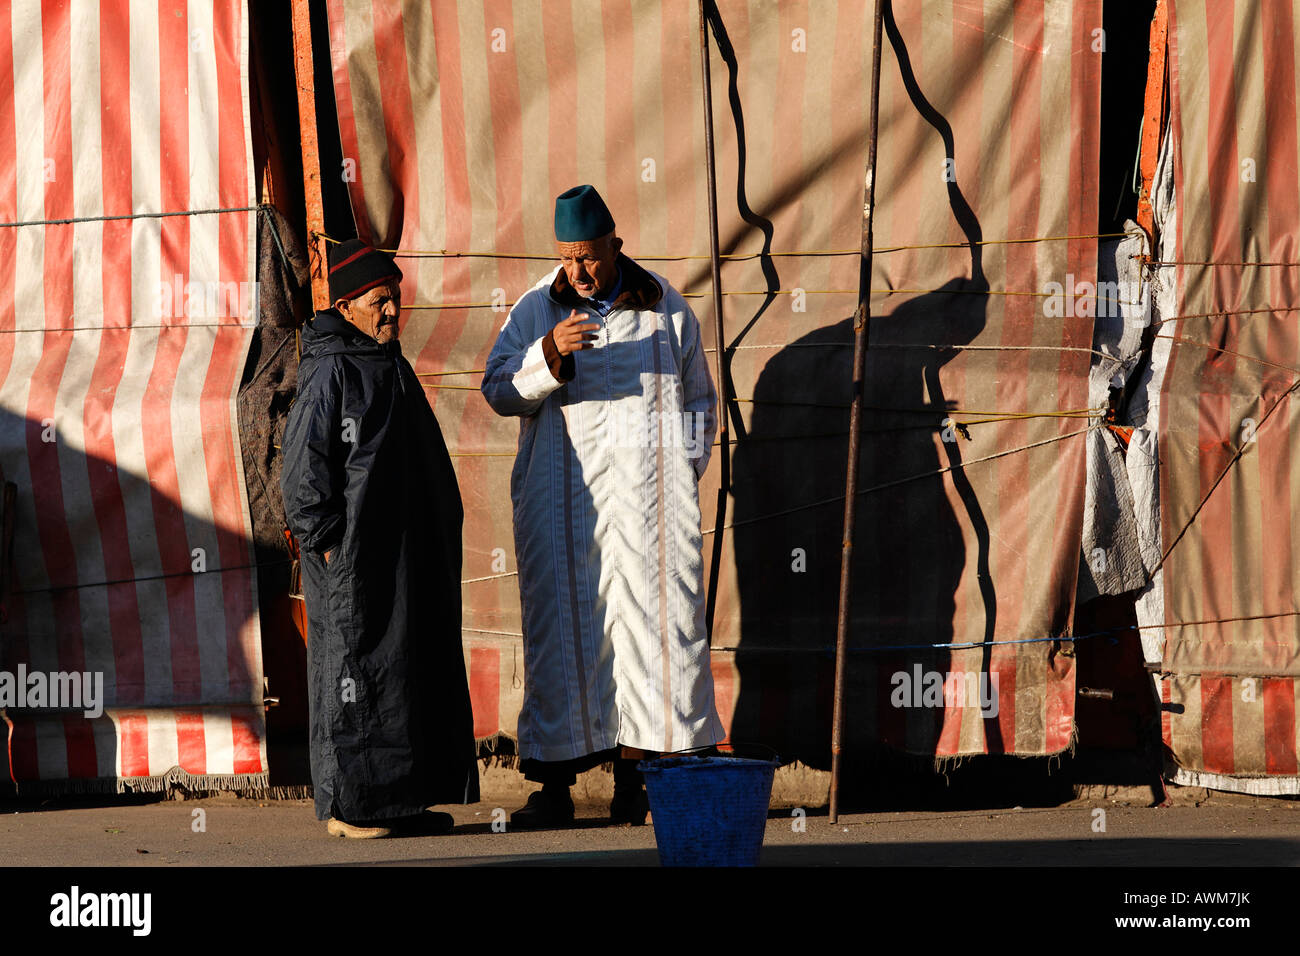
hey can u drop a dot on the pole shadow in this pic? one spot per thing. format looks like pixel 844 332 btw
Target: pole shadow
pixel 909 551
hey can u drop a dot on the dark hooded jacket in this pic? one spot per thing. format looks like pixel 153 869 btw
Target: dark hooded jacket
pixel 367 476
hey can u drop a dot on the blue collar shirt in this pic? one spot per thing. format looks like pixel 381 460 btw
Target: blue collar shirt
pixel 605 304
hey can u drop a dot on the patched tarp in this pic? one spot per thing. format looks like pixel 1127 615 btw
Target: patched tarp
pixel 461 122
pixel 1229 414
pixel 126 309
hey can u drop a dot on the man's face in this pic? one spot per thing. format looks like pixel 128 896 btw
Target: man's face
pixel 375 311
pixel 590 265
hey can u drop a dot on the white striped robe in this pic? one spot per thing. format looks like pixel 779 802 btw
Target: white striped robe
pixel 607 523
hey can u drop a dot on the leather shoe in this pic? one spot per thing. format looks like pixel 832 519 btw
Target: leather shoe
pixel 339 828
pixel 543 811
pixel 629 806
pixel 429 823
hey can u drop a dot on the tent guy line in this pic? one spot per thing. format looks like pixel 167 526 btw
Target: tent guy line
pixel 969 645
pixel 902 481
pixel 1223 474
pixel 134 215
pixel 735 257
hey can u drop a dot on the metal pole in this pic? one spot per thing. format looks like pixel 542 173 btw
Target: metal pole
pixel 861 319
pixel 724 479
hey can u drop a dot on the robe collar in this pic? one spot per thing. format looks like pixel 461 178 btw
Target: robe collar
pixel 328 331
pixel 640 290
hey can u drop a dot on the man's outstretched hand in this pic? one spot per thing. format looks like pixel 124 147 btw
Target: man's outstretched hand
pixel 572 334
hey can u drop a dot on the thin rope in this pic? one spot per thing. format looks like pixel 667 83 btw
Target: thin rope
pixel 1223 313
pixel 926 345
pixel 180 574
pixel 706 295
pixel 444 254
pixel 1187 262
pixel 128 328
pixel 1219 480
pixel 776 292
pixel 806 436
pixel 902 481
pixel 152 577
pixel 489 577
pixel 134 215
pixel 1217 348
pixel 966 645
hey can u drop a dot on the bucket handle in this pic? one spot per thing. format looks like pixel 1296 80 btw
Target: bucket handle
pixel 686 753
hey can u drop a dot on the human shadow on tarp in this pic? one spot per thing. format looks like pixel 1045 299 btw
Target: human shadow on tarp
pixel 909 553
pixel 112 577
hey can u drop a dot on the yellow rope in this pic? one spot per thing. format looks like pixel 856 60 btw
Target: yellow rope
pixel 455 305
pixel 739 256
pixel 1081 413
pixel 708 295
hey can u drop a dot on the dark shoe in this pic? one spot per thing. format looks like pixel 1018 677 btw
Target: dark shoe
pixel 338 828
pixel 629 806
pixel 429 823
pixel 543 811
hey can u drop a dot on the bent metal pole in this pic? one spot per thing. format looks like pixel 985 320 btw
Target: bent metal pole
pixel 861 318
pixel 719 340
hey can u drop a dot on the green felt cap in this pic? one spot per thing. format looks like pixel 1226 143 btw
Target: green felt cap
pixel 581 215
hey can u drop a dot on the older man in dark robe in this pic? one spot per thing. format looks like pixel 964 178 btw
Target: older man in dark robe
pixel 372 498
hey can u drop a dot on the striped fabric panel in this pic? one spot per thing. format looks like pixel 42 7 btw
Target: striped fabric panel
pixel 464 121
pixel 121 347
pixel 1230 423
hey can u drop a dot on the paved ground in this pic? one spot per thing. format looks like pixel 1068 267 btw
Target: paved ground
pixel 1222 831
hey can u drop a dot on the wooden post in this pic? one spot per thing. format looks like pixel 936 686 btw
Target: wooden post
pixel 317 252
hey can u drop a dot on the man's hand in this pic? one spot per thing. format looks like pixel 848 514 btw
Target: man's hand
pixel 327 555
pixel 572 335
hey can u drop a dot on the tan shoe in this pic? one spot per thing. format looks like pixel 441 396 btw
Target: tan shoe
pixel 340 829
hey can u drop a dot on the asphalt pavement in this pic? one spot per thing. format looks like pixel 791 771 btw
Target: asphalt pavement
pixel 232 831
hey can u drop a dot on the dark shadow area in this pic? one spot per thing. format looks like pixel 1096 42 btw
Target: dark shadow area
pixel 71 639
pixel 77 801
pixel 276 126
pixel 1127 31
pixel 1101 850
pixel 266 393
pixel 1116 711
pixel 771 280
pixel 269 381
pixel 892 781
pixel 339 220
pixel 909 554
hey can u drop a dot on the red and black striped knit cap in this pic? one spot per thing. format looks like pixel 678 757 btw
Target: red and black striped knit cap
pixel 356 267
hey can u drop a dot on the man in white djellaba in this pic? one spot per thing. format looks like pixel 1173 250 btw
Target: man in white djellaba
pixel 603 364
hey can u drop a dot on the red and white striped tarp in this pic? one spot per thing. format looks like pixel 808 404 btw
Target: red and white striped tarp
pixel 122 340
pixel 1230 416
pixel 461 122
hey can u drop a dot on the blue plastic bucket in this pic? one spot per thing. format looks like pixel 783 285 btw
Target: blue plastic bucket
pixel 709 811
